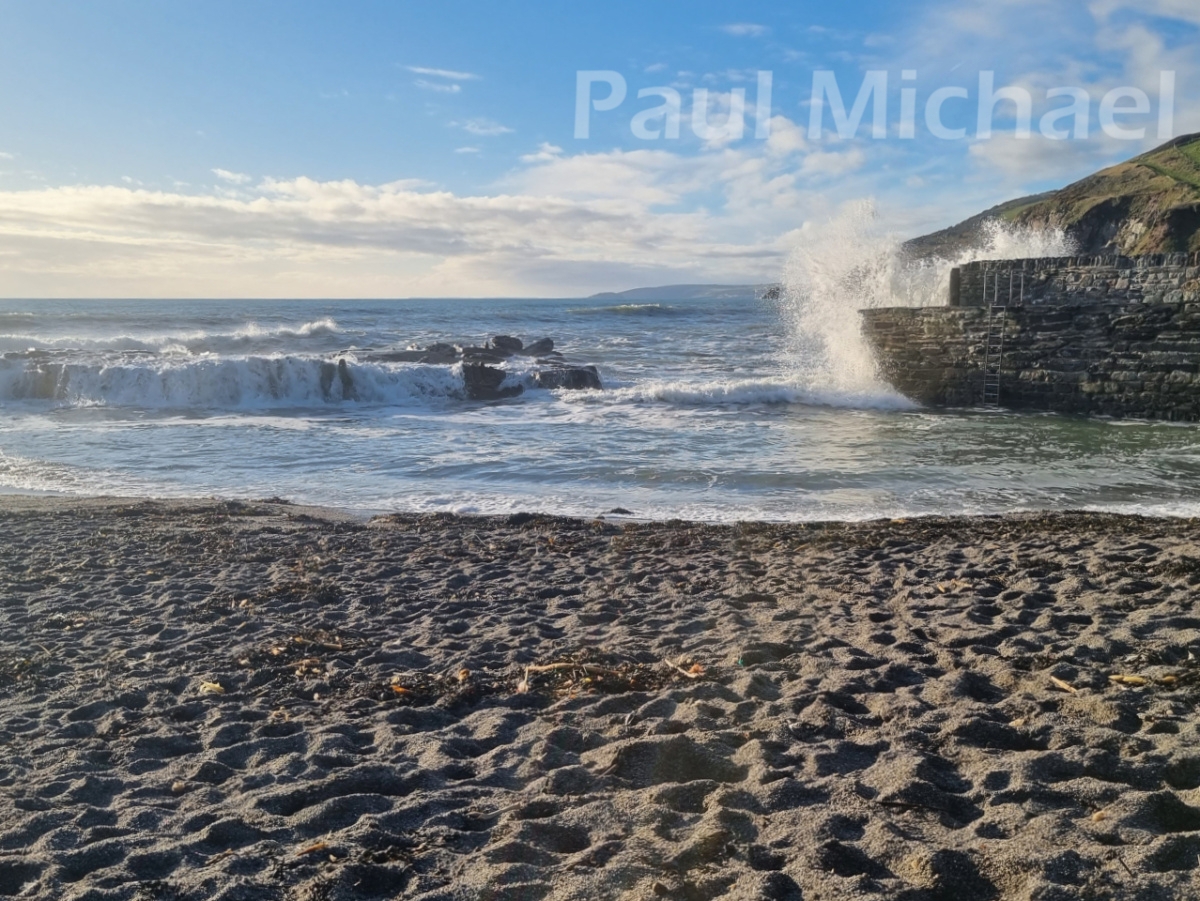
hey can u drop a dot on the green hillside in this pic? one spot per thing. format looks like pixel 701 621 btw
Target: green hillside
pixel 1150 204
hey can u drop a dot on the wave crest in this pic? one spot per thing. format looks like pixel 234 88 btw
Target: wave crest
pixel 754 392
pixel 237 383
pixel 245 339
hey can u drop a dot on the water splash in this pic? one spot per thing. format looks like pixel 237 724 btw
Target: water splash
pixel 853 264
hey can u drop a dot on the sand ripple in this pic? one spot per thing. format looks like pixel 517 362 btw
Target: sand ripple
pixel 240 701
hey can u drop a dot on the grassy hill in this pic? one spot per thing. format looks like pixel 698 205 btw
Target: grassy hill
pixel 1150 204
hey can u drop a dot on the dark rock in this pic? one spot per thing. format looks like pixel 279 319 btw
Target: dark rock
pixel 441 353
pixel 328 372
pixel 349 392
pixel 401 356
pixel 573 378
pixel 482 355
pixel 483 383
pixel 482 376
pixel 340 371
pixel 506 344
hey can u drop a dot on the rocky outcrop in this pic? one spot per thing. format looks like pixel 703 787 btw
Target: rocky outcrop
pixel 540 348
pixel 341 372
pixel 482 377
pixel 487 382
pixel 572 378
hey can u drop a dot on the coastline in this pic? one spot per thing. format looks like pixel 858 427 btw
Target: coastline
pixel 256 700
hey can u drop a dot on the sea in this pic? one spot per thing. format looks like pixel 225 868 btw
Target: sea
pixel 712 409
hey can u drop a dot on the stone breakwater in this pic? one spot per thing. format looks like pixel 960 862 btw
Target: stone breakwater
pixel 1119 337
pixel 1158 278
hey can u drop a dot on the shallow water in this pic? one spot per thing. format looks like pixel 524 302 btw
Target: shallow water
pixel 712 411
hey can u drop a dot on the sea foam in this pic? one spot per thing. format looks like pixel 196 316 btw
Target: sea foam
pixel 855 263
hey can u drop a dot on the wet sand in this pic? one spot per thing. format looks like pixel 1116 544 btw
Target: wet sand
pixel 257 701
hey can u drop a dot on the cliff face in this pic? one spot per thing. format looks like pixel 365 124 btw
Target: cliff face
pixel 1150 204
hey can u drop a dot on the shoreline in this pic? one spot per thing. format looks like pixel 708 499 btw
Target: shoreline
pixel 253 700
pixel 23 501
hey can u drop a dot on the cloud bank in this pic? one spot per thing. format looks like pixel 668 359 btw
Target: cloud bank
pixel 558 224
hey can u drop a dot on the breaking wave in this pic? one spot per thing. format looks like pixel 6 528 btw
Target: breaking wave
pixel 238 383
pixel 752 392
pixel 854 263
pixel 248 338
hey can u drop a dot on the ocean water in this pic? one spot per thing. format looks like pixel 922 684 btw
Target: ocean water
pixel 715 411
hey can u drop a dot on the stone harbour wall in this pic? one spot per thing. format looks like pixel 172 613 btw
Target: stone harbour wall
pixel 1159 278
pixel 1096 356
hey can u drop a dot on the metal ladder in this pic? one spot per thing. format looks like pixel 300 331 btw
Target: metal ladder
pixel 993 360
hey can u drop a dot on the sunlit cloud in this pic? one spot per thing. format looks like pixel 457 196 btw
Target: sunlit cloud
pixel 234 178
pixel 745 30
pixel 560 224
pixel 437 86
pixel 484 128
pixel 448 74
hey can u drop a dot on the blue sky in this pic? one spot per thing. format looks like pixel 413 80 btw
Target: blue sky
pixel 387 149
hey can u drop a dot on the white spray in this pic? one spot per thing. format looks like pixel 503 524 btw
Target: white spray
pixel 854 264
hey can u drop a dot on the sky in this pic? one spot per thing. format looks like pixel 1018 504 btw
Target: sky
pixel 386 148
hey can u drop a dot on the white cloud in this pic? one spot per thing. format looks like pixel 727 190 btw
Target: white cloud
pixel 831 164
pixel 1184 10
pixel 235 178
pixel 437 86
pixel 1028 162
pixel 311 238
pixel 745 30
pixel 468 150
pixel 1041 46
pixel 758 181
pixel 448 74
pixel 484 128
pixel 545 153
pixel 7 156
pixel 786 137
pixel 656 67
pixel 558 224
pixel 633 178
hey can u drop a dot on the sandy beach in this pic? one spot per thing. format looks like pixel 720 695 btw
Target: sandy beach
pixel 260 701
